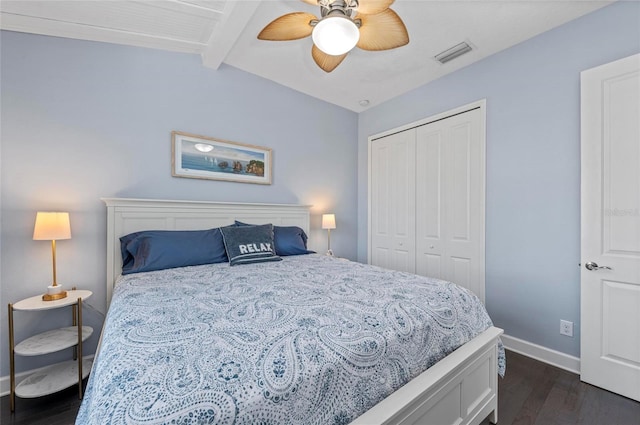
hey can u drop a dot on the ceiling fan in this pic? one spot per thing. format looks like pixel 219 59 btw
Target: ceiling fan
pixel 343 25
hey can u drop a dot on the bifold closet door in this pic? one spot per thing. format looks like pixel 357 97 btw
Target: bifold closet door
pixel 393 207
pixel 450 200
pixel 427 200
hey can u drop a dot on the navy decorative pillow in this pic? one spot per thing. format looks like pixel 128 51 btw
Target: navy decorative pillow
pixel 249 244
pixel 164 249
pixel 289 240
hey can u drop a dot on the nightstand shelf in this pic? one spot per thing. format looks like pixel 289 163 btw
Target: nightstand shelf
pixel 52 378
pixel 55 377
pixel 52 341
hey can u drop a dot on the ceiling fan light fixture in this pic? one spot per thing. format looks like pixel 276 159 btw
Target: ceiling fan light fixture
pixel 336 35
pixel 343 24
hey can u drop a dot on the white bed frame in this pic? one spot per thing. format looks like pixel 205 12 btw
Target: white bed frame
pixel 460 389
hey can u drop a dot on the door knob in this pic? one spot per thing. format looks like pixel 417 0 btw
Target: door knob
pixel 594 266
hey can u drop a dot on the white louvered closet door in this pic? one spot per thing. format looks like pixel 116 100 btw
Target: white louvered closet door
pixel 427 214
pixel 393 202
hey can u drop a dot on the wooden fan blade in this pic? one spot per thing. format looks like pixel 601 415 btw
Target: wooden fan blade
pixel 372 7
pixel 327 62
pixel 311 2
pixel 291 26
pixel 382 31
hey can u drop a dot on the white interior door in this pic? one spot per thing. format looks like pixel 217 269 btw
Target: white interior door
pixel 450 176
pixel 393 201
pixel 610 227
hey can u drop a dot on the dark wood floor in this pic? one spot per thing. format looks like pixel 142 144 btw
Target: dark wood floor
pixel 532 393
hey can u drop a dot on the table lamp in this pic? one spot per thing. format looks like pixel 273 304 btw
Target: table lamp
pixel 52 226
pixel 329 222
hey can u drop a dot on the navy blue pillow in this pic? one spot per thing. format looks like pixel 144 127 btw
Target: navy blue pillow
pixel 249 244
pixel 289 240
pixel 165 249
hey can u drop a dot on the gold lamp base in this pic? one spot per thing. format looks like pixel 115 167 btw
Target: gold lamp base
pixel 54 292
pixel 53 297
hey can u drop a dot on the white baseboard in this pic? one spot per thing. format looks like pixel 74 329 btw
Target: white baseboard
pixel 543 354
pixel 5 381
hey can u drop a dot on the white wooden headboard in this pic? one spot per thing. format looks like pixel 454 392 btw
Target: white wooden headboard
pixel 126 216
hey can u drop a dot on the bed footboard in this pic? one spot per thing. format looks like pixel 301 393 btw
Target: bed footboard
pixel 460 389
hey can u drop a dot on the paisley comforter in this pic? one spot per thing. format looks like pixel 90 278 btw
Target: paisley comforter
pixel 308 340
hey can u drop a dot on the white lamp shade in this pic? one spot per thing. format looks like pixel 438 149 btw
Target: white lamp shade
pixel 52 226
pixel 335 35
pixel 328 221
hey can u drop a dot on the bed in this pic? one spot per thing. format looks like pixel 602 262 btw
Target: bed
pixel 308 339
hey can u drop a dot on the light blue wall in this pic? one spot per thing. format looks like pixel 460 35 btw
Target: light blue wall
pixel 533 165
pixel 84 120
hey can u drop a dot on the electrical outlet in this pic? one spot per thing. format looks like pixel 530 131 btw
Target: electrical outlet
pixel 566 328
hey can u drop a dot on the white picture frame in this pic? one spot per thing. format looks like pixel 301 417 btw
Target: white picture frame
pixel 201 157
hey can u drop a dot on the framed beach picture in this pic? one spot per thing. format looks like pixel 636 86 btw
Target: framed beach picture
pixel 201 157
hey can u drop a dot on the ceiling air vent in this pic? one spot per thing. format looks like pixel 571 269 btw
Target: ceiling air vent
pixel 453 52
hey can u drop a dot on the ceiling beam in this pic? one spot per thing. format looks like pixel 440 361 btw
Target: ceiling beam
pixel 236 15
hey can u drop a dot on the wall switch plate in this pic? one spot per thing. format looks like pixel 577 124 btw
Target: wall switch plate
pixel 566 328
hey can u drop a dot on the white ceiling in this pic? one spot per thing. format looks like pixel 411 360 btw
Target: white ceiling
pixel 225 32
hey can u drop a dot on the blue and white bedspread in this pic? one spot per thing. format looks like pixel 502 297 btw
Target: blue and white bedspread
pixel 308 340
